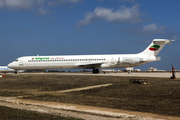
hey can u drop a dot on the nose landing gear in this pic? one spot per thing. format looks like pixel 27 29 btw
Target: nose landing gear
pixel 15 72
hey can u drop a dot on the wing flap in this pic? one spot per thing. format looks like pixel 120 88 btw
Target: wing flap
pixel 91 65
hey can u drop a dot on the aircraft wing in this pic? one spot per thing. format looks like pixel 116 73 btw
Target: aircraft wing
pixel 3 69
pixel 91 65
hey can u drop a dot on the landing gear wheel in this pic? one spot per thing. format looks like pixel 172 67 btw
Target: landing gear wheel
pixel 15 72
pixel 95 71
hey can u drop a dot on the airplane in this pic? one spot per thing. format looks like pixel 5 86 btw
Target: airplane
pixel 6 69
pixel 94 62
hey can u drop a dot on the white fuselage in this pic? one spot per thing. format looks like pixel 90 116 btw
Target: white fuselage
pixel 81 61
pixel 94 62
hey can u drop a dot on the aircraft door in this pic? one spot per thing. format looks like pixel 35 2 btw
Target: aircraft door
pixel 112 61
pixel 118 61
pixel 21 62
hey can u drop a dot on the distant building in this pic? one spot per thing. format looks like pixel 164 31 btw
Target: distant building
pixel 152 69
pixel 129 68
pixel 119 70
pixel 108 70
pixel 137 70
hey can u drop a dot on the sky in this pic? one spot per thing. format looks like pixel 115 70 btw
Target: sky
pixel 87 27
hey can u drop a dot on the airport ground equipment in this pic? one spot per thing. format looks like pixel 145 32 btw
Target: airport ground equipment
pixel 2 76
pixel 138 81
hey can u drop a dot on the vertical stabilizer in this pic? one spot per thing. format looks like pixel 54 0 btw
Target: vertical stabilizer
pixel 155 47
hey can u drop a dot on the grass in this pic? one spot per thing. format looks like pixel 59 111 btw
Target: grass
pixel 7 113
pixel 160 95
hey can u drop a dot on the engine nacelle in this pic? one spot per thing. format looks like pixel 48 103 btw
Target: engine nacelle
pixel 132 60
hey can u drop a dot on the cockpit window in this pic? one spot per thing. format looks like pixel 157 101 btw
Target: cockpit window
pixel 16 60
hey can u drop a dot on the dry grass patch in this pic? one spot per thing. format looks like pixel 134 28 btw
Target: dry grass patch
pixel 159 96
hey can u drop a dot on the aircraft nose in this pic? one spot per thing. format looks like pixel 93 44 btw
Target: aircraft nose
pixel 9 65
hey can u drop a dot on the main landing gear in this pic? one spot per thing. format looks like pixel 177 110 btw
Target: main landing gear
pixel 15 72
pixel 95 71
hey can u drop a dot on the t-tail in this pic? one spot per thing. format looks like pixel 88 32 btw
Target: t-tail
pixel 155 47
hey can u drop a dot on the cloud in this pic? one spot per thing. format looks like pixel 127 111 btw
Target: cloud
pixel 37 5
pixel 122 15
pixel 153 29
pixel 42 11
pixel 41 6
pixel 19 4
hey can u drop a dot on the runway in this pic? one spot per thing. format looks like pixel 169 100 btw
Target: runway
pixel 135 74
pixel 146 74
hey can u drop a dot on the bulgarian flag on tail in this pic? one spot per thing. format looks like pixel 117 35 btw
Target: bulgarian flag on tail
pixel 154 47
